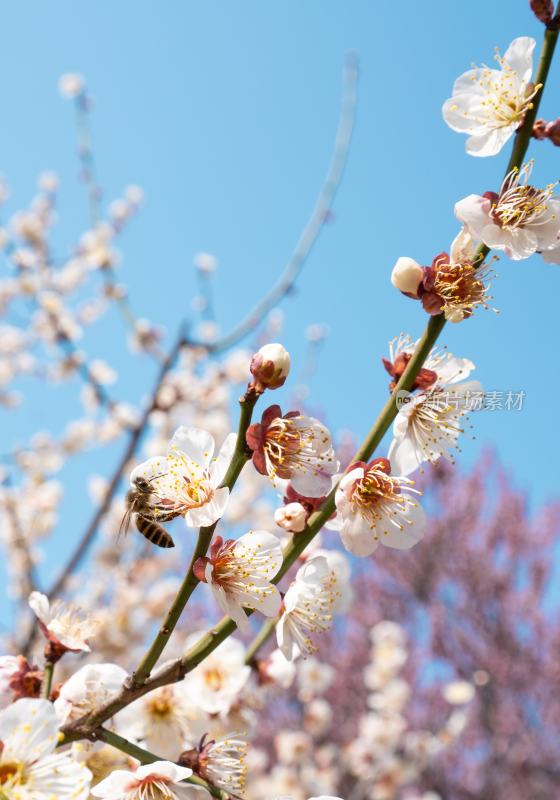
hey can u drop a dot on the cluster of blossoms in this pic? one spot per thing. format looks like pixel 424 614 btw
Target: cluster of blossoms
pixel 193 717
pixel 384 753
pixel 520 219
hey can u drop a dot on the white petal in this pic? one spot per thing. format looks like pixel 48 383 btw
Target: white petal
pixel 209 513
pixel 357 536
pixel 219 466
pixel 114 785
pixel 150 469
pixel 196 443
pixel 474 212
pixel 166 769
pixel 519 56
pixel 413 530
pixel 28 730
pixel 39 604
pixel 405 455
pixel 491 142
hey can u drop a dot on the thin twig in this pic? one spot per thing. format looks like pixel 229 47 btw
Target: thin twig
pixel 319 217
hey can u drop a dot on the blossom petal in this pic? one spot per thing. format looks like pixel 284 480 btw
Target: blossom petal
pixel 357 536
pixel 222 461
pixel 28 730
pixel 519 56
pixel 210 512
pixel 196 443
pixel 414 521
pixel 491 142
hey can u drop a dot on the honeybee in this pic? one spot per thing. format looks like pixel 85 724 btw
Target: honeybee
pixel 142 514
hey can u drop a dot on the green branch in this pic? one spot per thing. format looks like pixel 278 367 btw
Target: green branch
pixel 176 670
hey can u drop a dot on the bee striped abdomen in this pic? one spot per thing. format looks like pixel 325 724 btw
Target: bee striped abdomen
pixel 153 532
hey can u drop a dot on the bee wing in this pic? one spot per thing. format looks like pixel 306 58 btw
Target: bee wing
pixel 125 523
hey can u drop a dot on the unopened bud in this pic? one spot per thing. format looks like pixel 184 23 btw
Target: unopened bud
pixel 542 9
pixel 407 275
pixel 539 129
pixel 553 132
pixel 270 366
pixel 292 517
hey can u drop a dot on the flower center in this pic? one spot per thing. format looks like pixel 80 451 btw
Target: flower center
pixel 214 679
pixel 9 771
pixel 161 706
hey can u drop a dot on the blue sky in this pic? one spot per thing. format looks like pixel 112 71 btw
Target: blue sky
pixel 225 114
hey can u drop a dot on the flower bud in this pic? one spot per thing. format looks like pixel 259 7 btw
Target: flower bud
pixel 270 366
pixel 407 275
pixel 542 9
pixel 553 132
pixel 291 517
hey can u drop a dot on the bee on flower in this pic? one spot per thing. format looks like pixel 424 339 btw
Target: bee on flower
pixel 187 481
pixel 520 219
pixel 239 574
pixel 293 447
pixel 490 104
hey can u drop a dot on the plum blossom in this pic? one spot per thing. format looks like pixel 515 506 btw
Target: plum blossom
pixel 429 424
pixel 221 762
pixel 307 608
pixel 452 284
pixel 187 481
pixel 30 769
pixel 163 721
pixel 218 680
pixel 239 574
pixel 374 506
pixel 440 368
pixel 67 627
pixel 490 104
pixel 90 686
pixel 161 780
pixel 293 447
pixel 520 219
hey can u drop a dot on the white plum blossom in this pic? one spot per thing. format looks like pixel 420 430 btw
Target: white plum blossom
pixel 490 104
pixel 30 766
pixel 90 686
pixel 441 368
pixel 429 424
pixel 161 780
pixel 239 573
pixel 275 669
pixel 307 608
pixel 187 481
pixel 163 721
pixel 66 626
pixel 218 680
pixel 373 506
pixel 222 762
pixel 520 220
pixel 293 447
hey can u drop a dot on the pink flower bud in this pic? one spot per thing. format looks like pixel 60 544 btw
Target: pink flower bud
pixel 539 129
pixel 291 517
pixel 553 132
pixel 270 366
pixel 542 9
pixel 407 275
